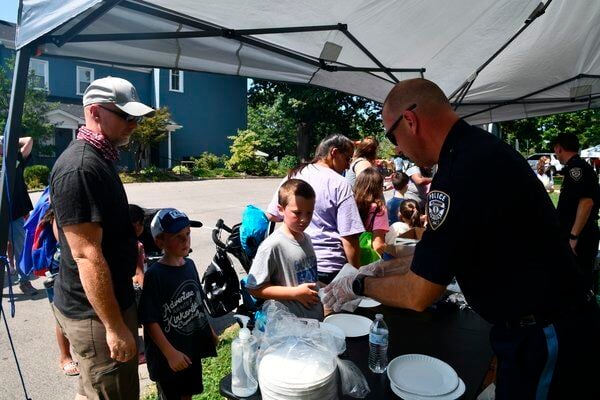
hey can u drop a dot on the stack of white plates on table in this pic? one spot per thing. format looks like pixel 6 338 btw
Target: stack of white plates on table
pixel 295 374
pixel 420 377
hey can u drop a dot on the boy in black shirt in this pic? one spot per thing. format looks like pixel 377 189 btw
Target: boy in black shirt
pixel 176 330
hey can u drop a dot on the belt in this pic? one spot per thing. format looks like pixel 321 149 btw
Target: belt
pixel 544 319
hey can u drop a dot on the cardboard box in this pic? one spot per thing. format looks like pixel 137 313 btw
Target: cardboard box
pixel 413 233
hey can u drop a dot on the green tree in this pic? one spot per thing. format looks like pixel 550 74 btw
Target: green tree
pixel 314 112
pixel 243 154
pixel 150 131
pixel 34 122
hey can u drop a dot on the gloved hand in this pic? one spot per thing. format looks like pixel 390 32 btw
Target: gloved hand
pixel 373 269
pixel 339 292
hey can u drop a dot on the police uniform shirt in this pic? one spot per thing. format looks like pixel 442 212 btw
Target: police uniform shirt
pixel 493 226
pixel 580 181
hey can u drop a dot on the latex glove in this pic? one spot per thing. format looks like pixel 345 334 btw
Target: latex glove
pixel 373 269
pixel 338 293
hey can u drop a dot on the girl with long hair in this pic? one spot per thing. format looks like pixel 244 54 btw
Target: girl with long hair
pixel 368 193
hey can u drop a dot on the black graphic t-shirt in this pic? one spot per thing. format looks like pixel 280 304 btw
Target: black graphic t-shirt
pixel 172 298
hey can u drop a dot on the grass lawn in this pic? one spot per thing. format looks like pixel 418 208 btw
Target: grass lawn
pixel 213 369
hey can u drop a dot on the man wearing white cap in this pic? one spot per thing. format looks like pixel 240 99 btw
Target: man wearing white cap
pixel 94 298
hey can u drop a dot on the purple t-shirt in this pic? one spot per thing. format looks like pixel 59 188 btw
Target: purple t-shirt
pixel 335 215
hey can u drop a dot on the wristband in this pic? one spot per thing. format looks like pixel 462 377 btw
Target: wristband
pixel 573 237
pixel 358 285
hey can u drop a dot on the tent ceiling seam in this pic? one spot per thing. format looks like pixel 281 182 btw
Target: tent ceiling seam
pixel 237 54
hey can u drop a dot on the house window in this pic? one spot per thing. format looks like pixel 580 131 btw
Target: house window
pixel 176 80
pixel 39 70
pixel 85 76
pixel 46 146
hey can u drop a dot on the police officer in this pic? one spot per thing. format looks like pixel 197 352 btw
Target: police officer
pixel 578 204
pixel 546 326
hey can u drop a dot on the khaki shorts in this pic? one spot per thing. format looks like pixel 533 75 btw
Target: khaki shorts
pixel 100 376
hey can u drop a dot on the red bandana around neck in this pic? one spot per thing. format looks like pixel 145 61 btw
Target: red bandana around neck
pixel 99 141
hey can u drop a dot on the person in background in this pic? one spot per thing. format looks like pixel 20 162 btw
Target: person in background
pixel 368 193
pixel 418 186
pixel 400 184
pixel 285 266
pixel 136 214
pixel 546 323
pixel 336 224
pixel 365 155
pixel 20 207
pixel 578 204
pixel 176 328
pixel 544 173
pixel 408 217
pixel 93 292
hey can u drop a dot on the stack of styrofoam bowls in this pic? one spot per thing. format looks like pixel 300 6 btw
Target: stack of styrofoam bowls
pixel 297 373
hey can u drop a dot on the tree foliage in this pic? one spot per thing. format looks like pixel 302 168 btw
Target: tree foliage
pixel 535 134
pixel 150 131
pixel 243 154
pixel 34 122
pixel 287 116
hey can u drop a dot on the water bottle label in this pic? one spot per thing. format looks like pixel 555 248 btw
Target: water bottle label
pixel 380 339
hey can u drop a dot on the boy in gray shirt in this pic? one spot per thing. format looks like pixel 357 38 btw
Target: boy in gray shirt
pixel 285 266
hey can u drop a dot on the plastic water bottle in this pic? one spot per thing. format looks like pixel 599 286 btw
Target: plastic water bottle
pixel 378 344
pixel 243 357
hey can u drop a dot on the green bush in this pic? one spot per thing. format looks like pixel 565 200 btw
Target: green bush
pixel 36 176
pixel 180 170
pixel 288 162
pixel 204 173
pixel 243 154
pixel 208 161
pixel 225 172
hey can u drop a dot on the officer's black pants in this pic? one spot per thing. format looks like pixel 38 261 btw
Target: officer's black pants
pixel 587 249
pixel 557 361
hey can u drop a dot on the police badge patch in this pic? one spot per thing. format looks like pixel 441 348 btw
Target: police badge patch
pixel 575 173
pixel 438 205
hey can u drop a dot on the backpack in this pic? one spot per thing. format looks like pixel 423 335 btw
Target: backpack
pixel 253 230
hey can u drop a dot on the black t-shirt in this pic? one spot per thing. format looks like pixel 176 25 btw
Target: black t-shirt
pixel 172 299
pixel 493 226
pixel 580 181
pixel 20 201
pixel 85 187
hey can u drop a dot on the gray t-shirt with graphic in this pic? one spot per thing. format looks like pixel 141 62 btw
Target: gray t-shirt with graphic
pixel 283 261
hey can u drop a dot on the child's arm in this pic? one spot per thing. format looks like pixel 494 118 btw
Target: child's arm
pixel 177 360
pixel 139 268
pixel 304 293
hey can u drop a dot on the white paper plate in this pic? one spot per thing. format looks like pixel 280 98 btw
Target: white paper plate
pixel 422 375
pixel 455 394
pixel 352 325
pixel 368 302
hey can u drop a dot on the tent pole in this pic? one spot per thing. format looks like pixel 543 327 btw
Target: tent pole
pixel 537 12
pixel 11 144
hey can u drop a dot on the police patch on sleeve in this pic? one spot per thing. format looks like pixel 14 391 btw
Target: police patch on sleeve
pixel 575 173
pixel 438 205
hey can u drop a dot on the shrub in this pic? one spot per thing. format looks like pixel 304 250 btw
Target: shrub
pixel 288 162
pixel 204 173
pixel 208 161
pixel 243 154
pixel 181 170
pixel 36 176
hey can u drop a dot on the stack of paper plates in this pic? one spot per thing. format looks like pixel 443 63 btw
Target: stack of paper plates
pixel 291 374
pixel 420 377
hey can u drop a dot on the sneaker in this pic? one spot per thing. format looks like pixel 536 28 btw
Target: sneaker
pixel 27 288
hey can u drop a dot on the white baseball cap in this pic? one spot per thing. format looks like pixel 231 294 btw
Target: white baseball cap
pixel 118 91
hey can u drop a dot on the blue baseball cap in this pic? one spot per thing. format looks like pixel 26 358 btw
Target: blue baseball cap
pixel 170 220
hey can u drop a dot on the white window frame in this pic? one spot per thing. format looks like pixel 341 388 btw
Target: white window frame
pixel 80 71
pixel 46 76
pixel 180 76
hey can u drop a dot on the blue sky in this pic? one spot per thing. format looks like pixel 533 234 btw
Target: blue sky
pixel 8 10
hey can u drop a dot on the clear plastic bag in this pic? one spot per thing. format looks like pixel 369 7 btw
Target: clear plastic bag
pixel 297 355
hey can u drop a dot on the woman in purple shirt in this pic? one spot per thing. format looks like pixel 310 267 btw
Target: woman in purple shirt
pixel 336 223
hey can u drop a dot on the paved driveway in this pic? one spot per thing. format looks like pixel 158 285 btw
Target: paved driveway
pixel 32 328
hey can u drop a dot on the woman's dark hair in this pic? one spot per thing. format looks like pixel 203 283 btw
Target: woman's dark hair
pixel 409 211
pixel 136 213
pixel 367 148
pixel 335 141
pixel 368 189
pixel 399 180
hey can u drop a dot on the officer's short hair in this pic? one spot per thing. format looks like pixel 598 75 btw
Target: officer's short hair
pixel 420 91
pixel 567 141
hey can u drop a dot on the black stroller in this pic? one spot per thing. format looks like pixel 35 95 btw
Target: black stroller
pixel 220 282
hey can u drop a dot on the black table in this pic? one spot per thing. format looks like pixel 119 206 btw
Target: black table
pixel 458 337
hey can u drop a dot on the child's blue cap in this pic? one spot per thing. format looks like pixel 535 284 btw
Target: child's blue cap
pixel 170 220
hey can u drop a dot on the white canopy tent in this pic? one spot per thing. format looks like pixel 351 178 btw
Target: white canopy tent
pixel 496 59
pixel 356 46
pixel 591 152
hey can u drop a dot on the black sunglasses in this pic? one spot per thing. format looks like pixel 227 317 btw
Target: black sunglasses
pixel 389 134
pixel 123 115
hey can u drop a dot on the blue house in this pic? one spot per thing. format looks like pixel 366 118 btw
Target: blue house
pixel 205 108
